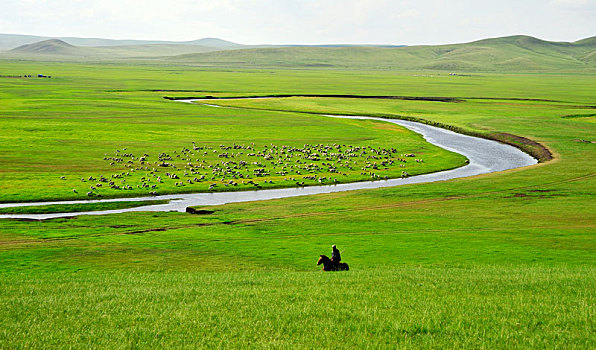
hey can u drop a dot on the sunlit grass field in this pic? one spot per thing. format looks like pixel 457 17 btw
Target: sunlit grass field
pixel 503 260
pixel 67 126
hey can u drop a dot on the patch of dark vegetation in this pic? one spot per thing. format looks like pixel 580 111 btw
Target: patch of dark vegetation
pixel 55 220
pixel 584 141
pixel 165 90
pixel 511 99
pixel 159 229
pixel 536 194
pixel 579 115
pixel 62 219
pixel 317 65
pixel 381 97
pixel 174 90
pixel 192 210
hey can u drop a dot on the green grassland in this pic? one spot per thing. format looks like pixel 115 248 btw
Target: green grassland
pixel 62 135
pixel 494 261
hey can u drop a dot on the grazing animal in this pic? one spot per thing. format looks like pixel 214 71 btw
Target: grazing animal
pixel 329 266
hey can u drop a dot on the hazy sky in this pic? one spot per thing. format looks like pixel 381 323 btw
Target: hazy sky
pixel 302 21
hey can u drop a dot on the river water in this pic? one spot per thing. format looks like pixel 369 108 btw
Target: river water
pixel 485 156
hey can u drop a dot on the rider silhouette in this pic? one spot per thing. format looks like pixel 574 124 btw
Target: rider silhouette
pixel 335 256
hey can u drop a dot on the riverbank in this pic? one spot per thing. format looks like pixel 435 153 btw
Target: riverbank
pixel 485 156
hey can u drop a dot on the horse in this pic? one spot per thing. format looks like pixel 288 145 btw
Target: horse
pixel 328 265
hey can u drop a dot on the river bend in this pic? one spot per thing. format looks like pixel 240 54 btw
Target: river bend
pixel 485 156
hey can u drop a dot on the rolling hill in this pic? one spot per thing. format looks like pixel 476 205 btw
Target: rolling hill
pixel 58 49
pixel 71 48
pixel 517 53
pixel 513 53
pixel 11 41
pixel 49 47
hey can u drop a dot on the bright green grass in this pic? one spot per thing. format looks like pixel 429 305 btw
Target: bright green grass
pixel 67 208
pixel 65 126
pixel 495 261
pixel 404 307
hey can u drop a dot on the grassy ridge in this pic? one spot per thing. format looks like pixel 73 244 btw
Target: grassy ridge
pixel 495 261
pixel 510 54
pixel 517 53
pixel 60 50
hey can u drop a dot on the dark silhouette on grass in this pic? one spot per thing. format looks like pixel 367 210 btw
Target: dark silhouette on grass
pixel 335 255
pixel 328 265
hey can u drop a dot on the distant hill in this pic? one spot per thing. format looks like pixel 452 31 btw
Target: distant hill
pixel 58 49
pixel 48 47
pixel 513 53
pixel 587 42
pixel 71 48
pixel 11 41
pixel 43 48
pixel 214 42
pixel 518 53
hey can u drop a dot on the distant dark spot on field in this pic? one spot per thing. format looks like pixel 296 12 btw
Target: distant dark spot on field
pixel 570 116
pixel 159 229
pixel 192 210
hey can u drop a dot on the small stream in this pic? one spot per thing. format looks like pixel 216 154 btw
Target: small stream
pixel 485 156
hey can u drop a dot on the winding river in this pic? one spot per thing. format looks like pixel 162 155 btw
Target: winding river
pixel 485 156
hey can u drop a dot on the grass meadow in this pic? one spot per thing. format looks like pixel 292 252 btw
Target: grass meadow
pixel 502 260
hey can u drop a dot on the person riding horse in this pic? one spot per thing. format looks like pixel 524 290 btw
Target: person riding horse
pixel 335 256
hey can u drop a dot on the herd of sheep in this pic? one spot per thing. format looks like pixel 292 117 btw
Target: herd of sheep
pixel 247 166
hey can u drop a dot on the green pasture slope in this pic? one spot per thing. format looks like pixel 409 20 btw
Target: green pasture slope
pixel 517 53
pixel 504 260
